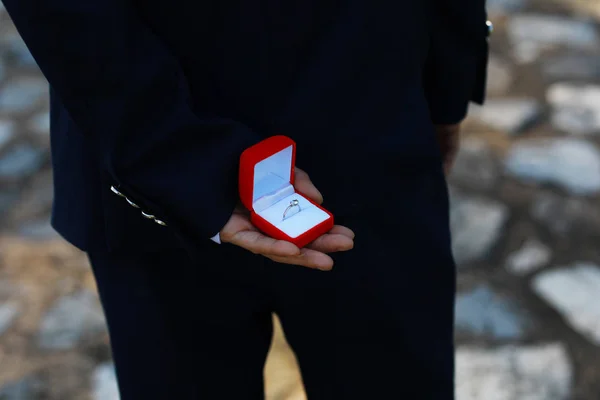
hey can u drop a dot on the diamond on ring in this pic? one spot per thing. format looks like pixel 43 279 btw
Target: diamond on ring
pixel 293 203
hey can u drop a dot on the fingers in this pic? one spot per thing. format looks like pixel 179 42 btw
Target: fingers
pixel 307 258
pixel 314 256
pixel 304 185
pixel 258 243
pixel 342 230
pixel 283 252
pixel 339 238
pixel 330 243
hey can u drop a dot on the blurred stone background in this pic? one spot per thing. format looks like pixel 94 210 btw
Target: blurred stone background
pixel 525 216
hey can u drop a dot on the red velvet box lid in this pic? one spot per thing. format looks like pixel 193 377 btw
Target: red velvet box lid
pixel 273 157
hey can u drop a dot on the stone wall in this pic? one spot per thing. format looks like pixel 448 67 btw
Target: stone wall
pixel 525 219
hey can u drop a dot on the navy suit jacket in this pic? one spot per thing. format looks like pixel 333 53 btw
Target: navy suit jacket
pixel 159 98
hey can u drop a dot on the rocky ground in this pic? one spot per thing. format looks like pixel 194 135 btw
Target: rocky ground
pixel 525 217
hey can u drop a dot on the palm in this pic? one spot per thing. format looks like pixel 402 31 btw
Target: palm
pixel 240 231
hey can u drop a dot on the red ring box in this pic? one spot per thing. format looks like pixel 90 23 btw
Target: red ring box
pixel 266 186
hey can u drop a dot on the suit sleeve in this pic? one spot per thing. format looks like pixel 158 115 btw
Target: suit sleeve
pixel 128 95
pixel 456 67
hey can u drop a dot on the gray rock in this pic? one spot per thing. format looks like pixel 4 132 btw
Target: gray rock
pixel 531 34
pixel 35 202
pixel 70 320
pixel 500 76
pixel 482 312
pixel 7 199
pixel 501 7
pixel 38 230
pixel 566 216
pixel 2 68
pixel 16 52
pixel 475 165
pixel 22 161
pixel 38 195
pixel 25 389
pixel 554 30
pixel 572 164
pixel 531 256
pixel 509 115
pixel 104 383
pixel 23 94
pixel 8 314
pixel 476 226
pixel 576 108
pixel 40 123
pixel 573 292
pixel 541 372
pixel 7 133
pixel 572 66
pixel 527 51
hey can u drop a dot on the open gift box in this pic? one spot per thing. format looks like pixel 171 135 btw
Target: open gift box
pixel 266 185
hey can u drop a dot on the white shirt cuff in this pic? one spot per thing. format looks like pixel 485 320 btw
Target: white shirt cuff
pixel 216 238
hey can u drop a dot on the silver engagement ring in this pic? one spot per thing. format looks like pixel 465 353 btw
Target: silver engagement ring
pixel 293 203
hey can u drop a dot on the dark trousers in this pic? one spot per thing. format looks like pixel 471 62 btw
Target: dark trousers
pixel 377 327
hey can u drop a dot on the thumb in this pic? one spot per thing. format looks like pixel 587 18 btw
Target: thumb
pixel 305 186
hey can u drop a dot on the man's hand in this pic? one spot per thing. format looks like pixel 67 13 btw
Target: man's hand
pixel 448 137
pixel 241 232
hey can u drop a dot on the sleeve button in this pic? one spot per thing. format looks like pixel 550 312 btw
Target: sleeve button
pixel 131 203
pixel 146 215
pixel 490 27
pixel 116 191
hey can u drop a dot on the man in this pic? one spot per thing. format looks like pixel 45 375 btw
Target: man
pixel 153 103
